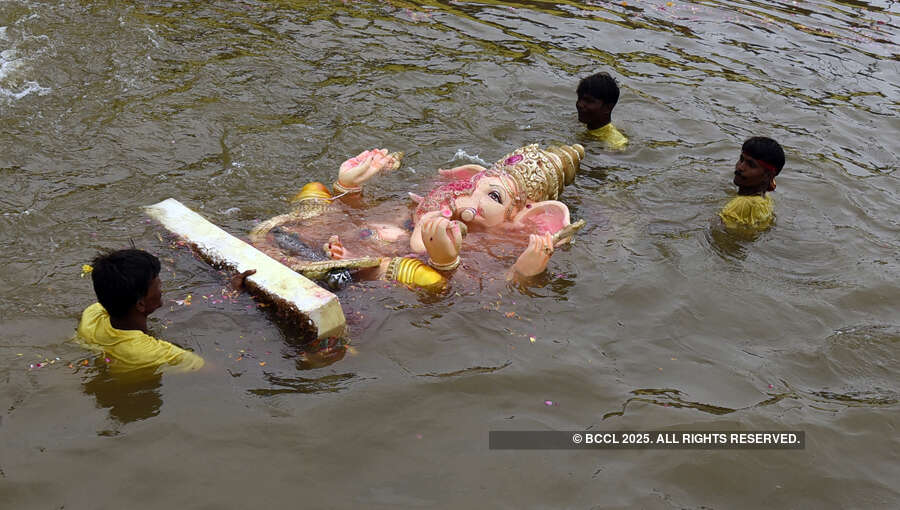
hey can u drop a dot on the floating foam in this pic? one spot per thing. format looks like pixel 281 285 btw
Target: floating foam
pixel 462 154
pixel 290 291
pixel 9 64
pixel 30 87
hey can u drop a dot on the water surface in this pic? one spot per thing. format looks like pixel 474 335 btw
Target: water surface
pixel 655 319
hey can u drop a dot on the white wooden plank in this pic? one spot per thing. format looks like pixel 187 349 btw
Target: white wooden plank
pixel 275 280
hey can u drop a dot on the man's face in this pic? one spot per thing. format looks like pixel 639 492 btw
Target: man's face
pixel 589 108
pixel 153 300
pixel 750 173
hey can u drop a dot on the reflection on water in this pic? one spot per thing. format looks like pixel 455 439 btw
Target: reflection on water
pixel 854 367
pixel 676 399
pixel 731 243
pixel 468 371
pixel 321 353
pixel 128 396
pixel 859 398
pixel 285 385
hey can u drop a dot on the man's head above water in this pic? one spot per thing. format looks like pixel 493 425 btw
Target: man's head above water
pixel 127 285
pixel 760 161
pixel 597 96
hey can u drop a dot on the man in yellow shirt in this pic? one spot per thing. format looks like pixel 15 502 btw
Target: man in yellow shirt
pixel 760 161
pixel 128 290
pixel 597 96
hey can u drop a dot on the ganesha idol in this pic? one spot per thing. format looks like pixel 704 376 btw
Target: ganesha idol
pixel 516 197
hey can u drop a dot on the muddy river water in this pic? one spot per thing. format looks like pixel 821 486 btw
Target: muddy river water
pixel 654 319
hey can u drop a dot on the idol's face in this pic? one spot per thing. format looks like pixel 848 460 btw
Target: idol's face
pixel 491 201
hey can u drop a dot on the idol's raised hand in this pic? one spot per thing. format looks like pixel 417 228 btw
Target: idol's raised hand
pixel 356 171
pixel 534 259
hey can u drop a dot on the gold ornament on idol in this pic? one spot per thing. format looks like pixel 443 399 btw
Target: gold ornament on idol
pixel 540 174
pixel 410 271
pixel 449 266
pixel 313 199
pixel 343 190
pixel 312 191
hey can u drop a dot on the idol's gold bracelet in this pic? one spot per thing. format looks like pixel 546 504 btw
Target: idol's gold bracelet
pixel 444 267
pixel 344 189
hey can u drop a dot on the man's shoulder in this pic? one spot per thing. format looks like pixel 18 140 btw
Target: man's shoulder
pixel 611 135
pixel 93 319
pixel 95 328
pixel 131 348
pixel 748 210
pixel 95 310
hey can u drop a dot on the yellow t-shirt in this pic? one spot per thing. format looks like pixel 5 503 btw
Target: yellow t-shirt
pixel 609 134
pixel 130 349
pixel 749 211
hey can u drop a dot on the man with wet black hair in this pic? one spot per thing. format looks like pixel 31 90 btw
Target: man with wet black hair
pixel 122 281
pixel 767 150
pixel 597 96
pixel 760 161
pixel 128 290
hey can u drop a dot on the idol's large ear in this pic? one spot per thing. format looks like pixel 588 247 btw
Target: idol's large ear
pixel 542 217
pixel 461 172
